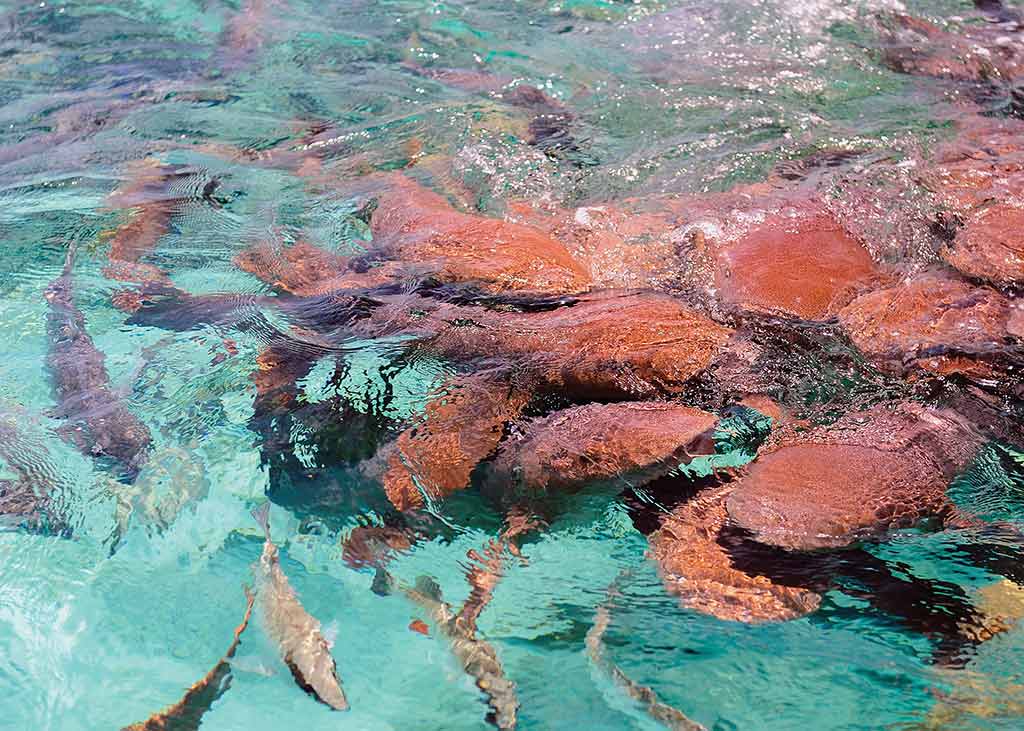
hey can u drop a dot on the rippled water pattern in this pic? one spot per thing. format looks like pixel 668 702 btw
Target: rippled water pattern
pixel 120 584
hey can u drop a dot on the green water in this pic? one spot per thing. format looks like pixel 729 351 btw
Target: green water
pixel 668 98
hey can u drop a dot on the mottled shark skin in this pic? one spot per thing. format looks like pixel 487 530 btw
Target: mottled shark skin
pixel 477 657
pixel 698 568
pixel 187 714
pixel 463 424
pixel 858 479
pixel 766 546
pixel 99 423
pixel 297 633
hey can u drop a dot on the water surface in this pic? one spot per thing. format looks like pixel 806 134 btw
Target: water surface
pixel 106 618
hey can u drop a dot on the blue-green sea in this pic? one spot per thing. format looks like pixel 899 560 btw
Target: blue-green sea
pixel 128 591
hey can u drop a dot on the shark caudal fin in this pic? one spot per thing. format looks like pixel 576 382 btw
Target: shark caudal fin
pixel 69 259
pixel 262 516
pixel 59 291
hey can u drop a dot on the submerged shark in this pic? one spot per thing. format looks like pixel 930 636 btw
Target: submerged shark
pixel 297 634
pixel 98 422
pixel 187 714
pixel 477 657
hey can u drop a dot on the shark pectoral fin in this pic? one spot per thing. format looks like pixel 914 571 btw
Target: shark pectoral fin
pixel 126 388
pixel 330 634
pixel 70 432
pixel 255 665
pixel 427 594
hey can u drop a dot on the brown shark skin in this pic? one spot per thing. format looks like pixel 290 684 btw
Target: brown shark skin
pixel 978 176
pixel 696 566
pixel 935 323
pixel 614 344
pixel 297 634
pixel 373 546
pixel 462 426
pixel 187 714
pixel 148 222
pixel 299 269
pixel 981 166
pixel 975 54
pixel 477 657
pixel 858 479
pixel 99 423
pixel 151 207
pixel 278 368
pixel 306 270
pixel 828 487
pixel 301 154
pixel 417 234
pixel 622 245
pixel 769 253
pixel 631 443
pixel 606 345
pixel 419 227
pixel 990 246
pixel 806 268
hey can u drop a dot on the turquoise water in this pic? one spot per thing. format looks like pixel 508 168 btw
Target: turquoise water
pixel 128 592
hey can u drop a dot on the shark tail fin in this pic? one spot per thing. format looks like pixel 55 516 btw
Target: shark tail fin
pixel 69 258
pixel 262 516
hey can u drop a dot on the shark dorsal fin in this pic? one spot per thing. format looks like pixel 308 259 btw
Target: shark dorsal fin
pixel 429 588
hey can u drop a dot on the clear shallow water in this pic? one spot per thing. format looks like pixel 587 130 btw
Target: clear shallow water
pixel 667 98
